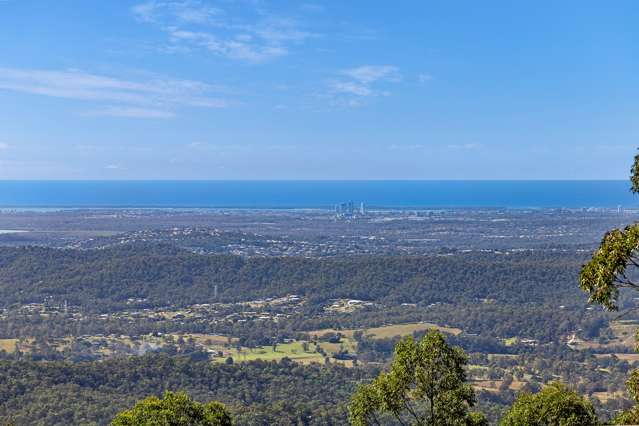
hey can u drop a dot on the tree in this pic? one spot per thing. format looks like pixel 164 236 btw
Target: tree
pixel 606 274
pixel 424 386
pixel 174 409
pixel 631 416
pixel 555 405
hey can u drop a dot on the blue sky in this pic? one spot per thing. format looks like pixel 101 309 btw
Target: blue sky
pixel 250 89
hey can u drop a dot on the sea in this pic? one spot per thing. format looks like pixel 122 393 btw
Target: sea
pixel 396 194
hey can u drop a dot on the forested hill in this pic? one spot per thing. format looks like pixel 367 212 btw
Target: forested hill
pixel 258 393
pixel 165 275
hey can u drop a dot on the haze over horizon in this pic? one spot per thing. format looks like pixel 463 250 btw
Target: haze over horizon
pixel 260 90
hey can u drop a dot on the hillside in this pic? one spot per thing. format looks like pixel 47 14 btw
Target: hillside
pixel 105 279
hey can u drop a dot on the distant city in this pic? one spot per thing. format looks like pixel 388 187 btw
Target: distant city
pixel 348 210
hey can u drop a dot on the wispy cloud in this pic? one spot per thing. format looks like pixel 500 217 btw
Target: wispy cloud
pixel 424 78
pixel 145 12
pixel 352 88
pixel 368 74
pixel 410 147
pixel 361 82
pixel 154 97
pixel 467 146
pixel 184 11
pixel 130 112
pixel 192 25
pixel 3 146
pixel 114 167
pixel 420 146
pixel 312 7
pixel 204 147
pixel 240 48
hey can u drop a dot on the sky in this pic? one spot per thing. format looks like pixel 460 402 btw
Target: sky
pixel 356 89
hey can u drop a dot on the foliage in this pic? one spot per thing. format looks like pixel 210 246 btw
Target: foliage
pixel 628 417
pixel 605 274
pixel 425 385
pixel 634 175
pixel 167 276
pixel 555 405
pixel 631 416
pixel 257 392
pixel 174 409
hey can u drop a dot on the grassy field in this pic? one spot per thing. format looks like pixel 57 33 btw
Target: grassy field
pixel 208 339
pixel 493 385
pixel 222 347
pixel 628 357
pixel 497 356
pixel 8 345
pixel 631 358
pixel 294 351
pixel 408 329
pixel 211 342
pixel 391 330
pixel 624 335
pixel 511 341
pixel 605 396
pixel 624 332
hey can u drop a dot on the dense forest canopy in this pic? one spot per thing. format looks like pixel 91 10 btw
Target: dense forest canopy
pixel 256 392
pixel 165 275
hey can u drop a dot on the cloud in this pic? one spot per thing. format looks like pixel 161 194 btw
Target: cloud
pixel 193 26
pixel 239 48
pixel 238 148
pixel 358 83
pixel 312 7
pixel 368 74
pixel 114 167
pixel 3 146
pixel 467 146
pixel 352 88
pixel 279 30
pixel 145 12
pixel 134 97
pixel 413 147
pixel 184 11
pixel 424 78
pixel 203 146
pixel 130 112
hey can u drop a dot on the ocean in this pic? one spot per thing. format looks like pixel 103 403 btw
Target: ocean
pixel 315 194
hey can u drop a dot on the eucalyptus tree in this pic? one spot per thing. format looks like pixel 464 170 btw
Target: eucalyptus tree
pixel 611 270
pixel 174 409
pixel 555 405
pixel 426 385
pixel 607 272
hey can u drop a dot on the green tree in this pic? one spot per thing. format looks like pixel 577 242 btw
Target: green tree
pixel 606 274
pixel 555 405
pixel 631 416
pixel 424 386
pixel 174 409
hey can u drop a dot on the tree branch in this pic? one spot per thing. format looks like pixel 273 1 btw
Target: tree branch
pixel 409 408
pixel 399 419
pixel 623 314
pixel 375 419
